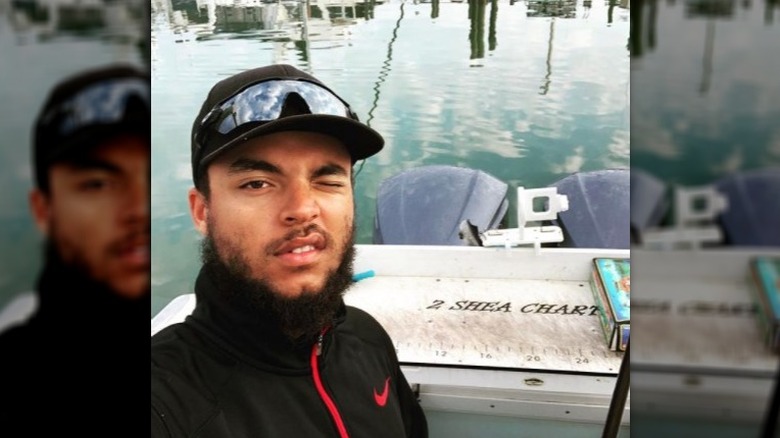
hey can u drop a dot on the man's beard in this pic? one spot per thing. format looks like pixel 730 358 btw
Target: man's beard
pixel 62 253
pixel 75 263
pixel 72 296
pixel 300 317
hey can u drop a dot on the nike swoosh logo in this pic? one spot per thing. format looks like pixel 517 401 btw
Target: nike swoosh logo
pixel 381 399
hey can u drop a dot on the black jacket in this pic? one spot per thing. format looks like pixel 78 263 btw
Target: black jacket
pixel 79 354
pixel 225 373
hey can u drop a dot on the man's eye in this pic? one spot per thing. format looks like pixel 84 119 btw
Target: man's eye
pixel 93 184
pixel 332 183
pixel 254 185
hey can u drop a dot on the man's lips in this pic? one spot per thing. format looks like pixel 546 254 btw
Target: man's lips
pixel 301 250
pixel 135 253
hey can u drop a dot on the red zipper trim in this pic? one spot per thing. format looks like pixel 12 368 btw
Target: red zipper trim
pixel 334 412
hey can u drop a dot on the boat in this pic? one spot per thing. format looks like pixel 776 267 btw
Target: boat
pixel 486 321
pixel 426 205
pixel 754 210
pixel 599 209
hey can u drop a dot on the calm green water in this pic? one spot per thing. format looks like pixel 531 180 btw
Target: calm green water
pixel 705 88
pixel 527 91
pixel 40 45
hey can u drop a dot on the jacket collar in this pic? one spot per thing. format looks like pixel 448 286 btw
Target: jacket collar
pixel 248 334
pixel 70 301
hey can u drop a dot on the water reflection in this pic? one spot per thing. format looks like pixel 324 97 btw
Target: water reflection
pixel 237 18
pixel 42 42
pixel 385 70
pixel 623 4
pixel 711 8
pixel 281 20
pixel 718 58
pixel 189 11
pixel 546 86
pixel 769 10
pixel 644 17
pixel 434 8
pixel 643 23
pixel 554 8
pixel 38 21
pixel 477 29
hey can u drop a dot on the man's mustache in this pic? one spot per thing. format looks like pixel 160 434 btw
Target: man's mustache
pixel 272 247
pixel 138 236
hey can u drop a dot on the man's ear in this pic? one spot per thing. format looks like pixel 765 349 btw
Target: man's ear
pixel 40 207
pixel 199 210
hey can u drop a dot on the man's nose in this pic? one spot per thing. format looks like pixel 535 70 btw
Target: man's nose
pixel 300 205
pixel 136 200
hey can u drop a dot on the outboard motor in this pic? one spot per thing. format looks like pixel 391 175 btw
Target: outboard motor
pixel 599 209
pixel 649 202
pixel 426 205
pixel 753 215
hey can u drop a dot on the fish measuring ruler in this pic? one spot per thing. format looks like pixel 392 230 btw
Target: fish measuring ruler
pixel 495 323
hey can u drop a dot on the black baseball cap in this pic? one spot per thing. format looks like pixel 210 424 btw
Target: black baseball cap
pixel 85 110
pixel 272 99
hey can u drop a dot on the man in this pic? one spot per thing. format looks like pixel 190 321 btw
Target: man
pixel 270 349
pixel 91 203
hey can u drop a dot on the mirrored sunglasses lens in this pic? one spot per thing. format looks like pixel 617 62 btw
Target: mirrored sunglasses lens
pixel 264 102
pixel 102 103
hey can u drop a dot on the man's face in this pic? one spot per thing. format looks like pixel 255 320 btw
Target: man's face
pixel 282 206
pixel 96 214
